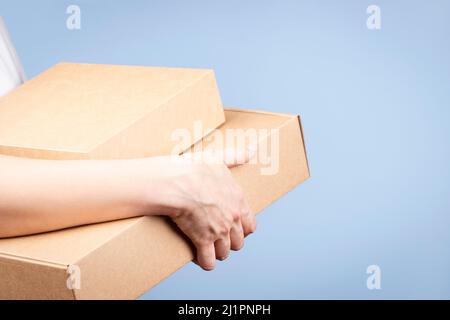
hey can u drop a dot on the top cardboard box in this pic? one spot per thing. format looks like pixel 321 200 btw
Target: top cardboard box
pixel 88 111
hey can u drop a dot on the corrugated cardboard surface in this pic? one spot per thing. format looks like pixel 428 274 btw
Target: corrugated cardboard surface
pixel 123 259
pixel 87 111
pixel 22 278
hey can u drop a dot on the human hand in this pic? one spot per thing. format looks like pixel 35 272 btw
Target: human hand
pixel 206 203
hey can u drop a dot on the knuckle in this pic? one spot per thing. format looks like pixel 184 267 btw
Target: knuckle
pixel 218 232
pixel 223 231
pixel 236 216
pixel 202 242
pixel 213 234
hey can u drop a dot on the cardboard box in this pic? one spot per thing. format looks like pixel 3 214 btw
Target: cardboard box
pixel 123 259
pixel 88 111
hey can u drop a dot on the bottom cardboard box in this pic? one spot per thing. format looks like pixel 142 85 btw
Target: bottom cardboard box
pixel 125 258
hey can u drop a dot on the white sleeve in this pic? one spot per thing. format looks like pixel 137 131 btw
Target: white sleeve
pixel 11 71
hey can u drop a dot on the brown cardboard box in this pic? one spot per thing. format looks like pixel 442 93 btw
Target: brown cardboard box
pixel 86 111
pixel 123 259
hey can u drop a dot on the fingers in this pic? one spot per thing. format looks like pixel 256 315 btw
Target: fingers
pixel 222 248
pixel 248 223
pixel 247 218
pixel 206 256
pixel 237 236
pixel 230 157
pixel 216 215
pixel 237 157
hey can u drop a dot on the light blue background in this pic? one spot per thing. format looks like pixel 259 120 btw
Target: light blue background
pixel 376 113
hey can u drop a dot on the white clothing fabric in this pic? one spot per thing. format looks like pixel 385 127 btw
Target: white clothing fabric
pixel 11 71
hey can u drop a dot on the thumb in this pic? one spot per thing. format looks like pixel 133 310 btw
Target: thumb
pixel 230 157
pixel 236 157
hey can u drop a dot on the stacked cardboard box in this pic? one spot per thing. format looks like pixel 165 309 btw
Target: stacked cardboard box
pixel 84 111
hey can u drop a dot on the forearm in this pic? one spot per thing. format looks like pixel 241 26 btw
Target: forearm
pixel 198 193
pixel 43 195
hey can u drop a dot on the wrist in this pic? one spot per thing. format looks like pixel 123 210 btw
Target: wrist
pixel 153 190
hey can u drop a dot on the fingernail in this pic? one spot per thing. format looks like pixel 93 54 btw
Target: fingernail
pixel 208 268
